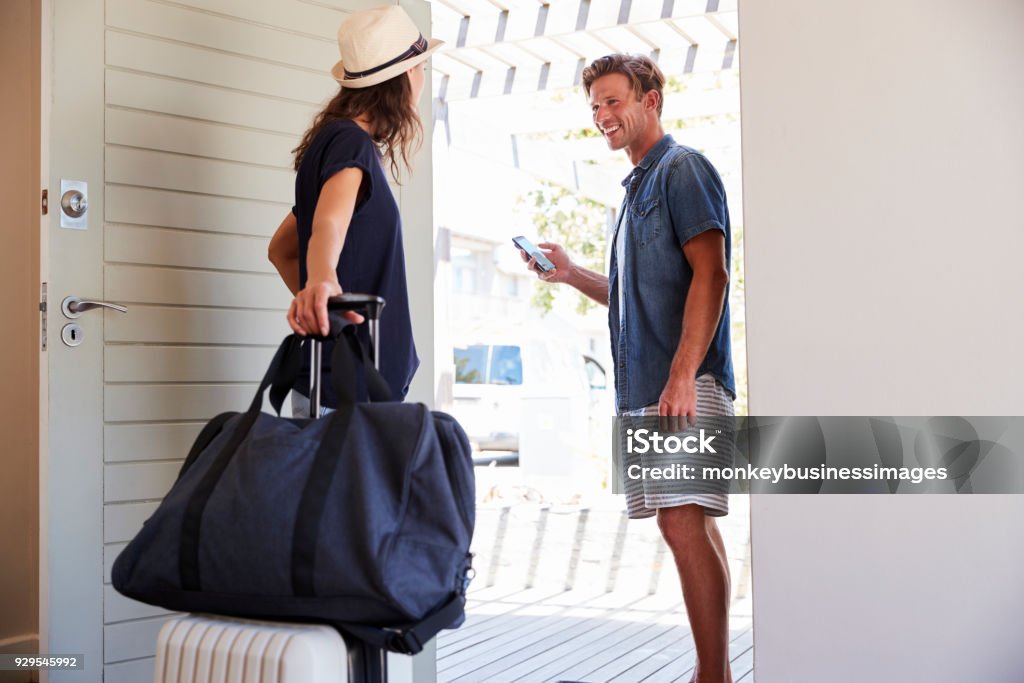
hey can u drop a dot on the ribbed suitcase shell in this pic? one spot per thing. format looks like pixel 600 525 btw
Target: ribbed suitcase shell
pixel 208 649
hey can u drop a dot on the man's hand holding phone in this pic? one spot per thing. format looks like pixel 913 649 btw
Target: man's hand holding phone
pixel 557 260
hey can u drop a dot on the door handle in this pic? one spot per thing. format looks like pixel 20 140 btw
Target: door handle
pixel 73 307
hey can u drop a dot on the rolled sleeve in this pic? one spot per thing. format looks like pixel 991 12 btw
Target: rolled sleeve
pixel 696 197
pixel 350 149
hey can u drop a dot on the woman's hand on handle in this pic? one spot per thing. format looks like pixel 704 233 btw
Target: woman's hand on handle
pixel 308 312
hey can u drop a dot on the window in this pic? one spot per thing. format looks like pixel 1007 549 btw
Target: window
pixel 464 270
pixel 506 365
pixel 471 364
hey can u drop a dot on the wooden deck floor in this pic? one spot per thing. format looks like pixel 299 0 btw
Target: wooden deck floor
pixel 535 637
pixel 569 594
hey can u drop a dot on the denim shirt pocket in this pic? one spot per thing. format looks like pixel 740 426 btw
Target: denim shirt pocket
pixel 644 221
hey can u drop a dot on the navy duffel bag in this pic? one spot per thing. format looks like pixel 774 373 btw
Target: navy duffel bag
pixel 361 519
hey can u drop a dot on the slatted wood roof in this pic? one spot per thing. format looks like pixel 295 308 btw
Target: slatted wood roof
pixel 502 47
pixel 506 84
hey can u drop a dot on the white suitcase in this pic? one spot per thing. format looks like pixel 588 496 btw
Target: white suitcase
pixel 207 649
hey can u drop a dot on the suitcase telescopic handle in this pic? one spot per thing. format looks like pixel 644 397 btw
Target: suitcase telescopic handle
pixel 367 305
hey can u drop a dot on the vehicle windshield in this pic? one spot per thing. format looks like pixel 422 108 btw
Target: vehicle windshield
pixel 506 365
pixel 471 365
pixel 484 364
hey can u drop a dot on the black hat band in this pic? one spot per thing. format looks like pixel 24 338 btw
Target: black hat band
pixel 417 48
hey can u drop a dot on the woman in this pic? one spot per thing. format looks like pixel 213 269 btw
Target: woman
pixel 344 232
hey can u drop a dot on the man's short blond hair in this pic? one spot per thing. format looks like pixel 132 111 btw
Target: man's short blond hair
pixel 641 71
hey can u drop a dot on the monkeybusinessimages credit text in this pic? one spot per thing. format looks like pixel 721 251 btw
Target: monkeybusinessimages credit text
pixel 651 442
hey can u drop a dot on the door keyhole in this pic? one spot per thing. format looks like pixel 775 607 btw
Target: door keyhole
pixel 71 334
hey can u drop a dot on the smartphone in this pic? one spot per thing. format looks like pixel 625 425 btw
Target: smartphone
pixel 544 264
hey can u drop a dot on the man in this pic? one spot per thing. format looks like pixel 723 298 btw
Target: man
pixel 668 311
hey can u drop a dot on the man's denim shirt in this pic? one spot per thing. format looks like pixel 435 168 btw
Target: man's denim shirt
pixel 673 195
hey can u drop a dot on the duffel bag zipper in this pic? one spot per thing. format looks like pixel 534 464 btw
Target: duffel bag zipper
pixel 468 575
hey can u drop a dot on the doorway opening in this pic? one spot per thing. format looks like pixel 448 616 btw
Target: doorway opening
pixel 567 588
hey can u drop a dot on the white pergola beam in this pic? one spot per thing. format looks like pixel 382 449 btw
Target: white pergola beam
pixel 538 113
pixel 701 30
pixel 603 13
pixel 641 11
pixel 563 73
pixel 596 149
pixel 727 23
pixel 559 18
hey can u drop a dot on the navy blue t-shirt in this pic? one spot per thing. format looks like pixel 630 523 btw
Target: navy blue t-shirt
pixel 372 259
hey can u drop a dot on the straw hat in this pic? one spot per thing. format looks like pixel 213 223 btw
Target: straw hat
pixel 379 44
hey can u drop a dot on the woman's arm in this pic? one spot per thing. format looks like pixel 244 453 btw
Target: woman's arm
pixel 334 209
pixel 283 252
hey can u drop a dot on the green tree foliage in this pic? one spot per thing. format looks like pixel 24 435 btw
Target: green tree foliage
pixel 579 224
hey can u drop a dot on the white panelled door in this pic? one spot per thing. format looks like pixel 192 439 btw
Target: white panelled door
pixel 180 117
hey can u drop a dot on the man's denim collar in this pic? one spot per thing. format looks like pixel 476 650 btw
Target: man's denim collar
pixel 653 154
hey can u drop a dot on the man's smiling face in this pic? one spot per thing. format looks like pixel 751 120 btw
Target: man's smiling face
pixel 618 115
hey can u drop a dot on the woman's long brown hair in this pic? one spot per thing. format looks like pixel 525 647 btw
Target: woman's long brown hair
pixel 389 107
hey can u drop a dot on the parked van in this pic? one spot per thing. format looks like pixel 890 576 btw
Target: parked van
pixel 548 381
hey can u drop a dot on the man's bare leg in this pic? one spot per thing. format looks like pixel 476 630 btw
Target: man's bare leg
pixel 716 538
pixel 700 559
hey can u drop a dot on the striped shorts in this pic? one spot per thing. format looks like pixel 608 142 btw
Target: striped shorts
pixel 644 497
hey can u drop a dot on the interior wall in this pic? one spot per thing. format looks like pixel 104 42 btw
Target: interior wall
pixel 415 197
pixel 883 155
pixel 19 320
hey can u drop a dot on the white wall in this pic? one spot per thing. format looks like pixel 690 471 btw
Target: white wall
pixel 416 197
pixel 883 150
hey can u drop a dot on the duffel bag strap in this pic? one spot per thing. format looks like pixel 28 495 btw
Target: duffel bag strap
pixel 351 365
pixel 314 499
pixel 209 433
pixel 284 379
pixel 286 375
pixel 410 639
pixel 188 556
